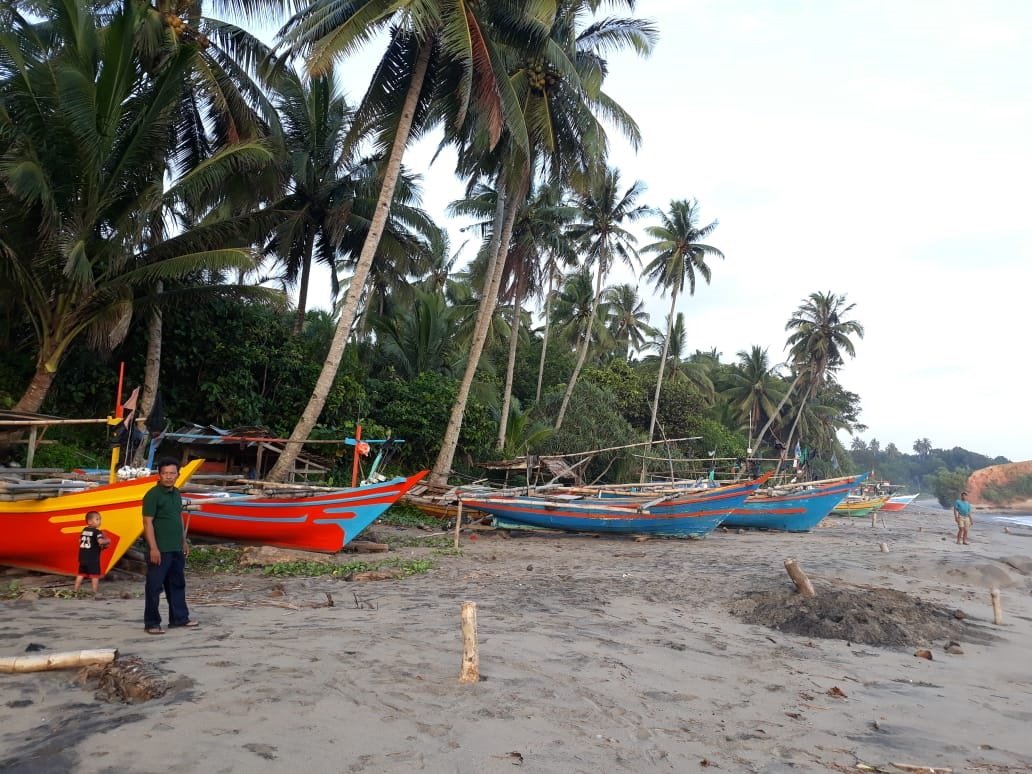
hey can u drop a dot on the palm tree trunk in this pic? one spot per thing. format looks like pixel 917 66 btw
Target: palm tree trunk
pixel 285 463
pixel 777 411
pixel 510 367
pixel 151 369
pixel 788 443
pixel 36 392
pixel 506 212
pixel 662 365
pixel 544 344
pixel 302 288
pixel 583 354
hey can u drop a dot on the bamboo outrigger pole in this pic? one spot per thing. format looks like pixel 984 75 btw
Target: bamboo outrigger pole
pixel 113 422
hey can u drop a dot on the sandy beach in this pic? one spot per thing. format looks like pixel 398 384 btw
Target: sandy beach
pixel 597 655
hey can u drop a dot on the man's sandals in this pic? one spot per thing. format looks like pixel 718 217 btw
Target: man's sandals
pixel 159 630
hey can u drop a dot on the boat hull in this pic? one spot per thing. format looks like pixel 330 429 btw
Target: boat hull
pixel 324 523
pixel 692 515
pixel 43 534
pixel 899 502
pixel 796 512
pixel 859 507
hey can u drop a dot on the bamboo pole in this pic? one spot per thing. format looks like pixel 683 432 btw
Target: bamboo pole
pixel 18 423
pixel 458 523
pixel 795 572
pixel 48 661
pixel 355 456
pixel 470 672
pixel 616 448
pixel 997 607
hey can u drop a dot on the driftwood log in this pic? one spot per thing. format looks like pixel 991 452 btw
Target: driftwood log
pixel 366 547
pixel 470 672
pixel 47 661
pixel 795 572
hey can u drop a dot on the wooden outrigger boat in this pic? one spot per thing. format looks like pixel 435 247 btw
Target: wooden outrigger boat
pixel 324 521
pixel 443 502
pixel 798 510
pixel 43 533
pixel 899 502
pixel 681 514
pixel 862 507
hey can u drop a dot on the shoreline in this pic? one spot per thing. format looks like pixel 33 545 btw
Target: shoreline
pixel 598 654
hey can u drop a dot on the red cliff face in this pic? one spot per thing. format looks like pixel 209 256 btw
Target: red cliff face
pixel 1000 475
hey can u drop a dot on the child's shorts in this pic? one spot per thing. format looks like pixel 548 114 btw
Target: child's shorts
pixel 89 570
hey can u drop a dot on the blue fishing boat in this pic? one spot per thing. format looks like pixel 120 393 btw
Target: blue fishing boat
pixel 796 511
pixel 681 514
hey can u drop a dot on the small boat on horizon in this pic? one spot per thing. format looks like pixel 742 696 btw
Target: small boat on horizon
pixel 860 506
pixel 899 502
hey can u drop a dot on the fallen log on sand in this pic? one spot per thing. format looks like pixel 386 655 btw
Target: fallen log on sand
pixel 48 661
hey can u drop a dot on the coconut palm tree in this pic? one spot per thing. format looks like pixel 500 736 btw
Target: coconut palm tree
pixel 753 389
pixel 604 210
pixel 695 369
pixel 628 320
pixel 86 134
pixel 558 82
pixel 422 338
pixel 680 254
pixel 820 337
pixel 538 241
pixel 578 316
pixel 440 48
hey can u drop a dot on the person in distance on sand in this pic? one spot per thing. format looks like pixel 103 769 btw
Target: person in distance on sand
pixel 962 515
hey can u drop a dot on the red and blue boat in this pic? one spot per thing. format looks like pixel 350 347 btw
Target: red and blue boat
pixel 324 522
pixel 898 502
pixel 796 511
pixel 682 514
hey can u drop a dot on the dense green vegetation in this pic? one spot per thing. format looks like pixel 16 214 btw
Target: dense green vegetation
pixel 1018 489
pixel 165 179
pixel 941 472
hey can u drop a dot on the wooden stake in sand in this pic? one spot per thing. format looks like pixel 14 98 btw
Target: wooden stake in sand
pixel 47 661
pixel 795 572
pixel 997 607
pixel 458 523
pixel 470 672
pixel 884 548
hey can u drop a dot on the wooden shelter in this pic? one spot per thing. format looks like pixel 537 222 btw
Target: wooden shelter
pixel 242 452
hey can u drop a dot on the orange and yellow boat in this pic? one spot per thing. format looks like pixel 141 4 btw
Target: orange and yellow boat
pixel 43 534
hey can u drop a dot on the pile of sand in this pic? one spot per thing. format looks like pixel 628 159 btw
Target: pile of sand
pixel 870 616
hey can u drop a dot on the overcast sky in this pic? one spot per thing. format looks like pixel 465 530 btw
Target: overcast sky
pixel 876 149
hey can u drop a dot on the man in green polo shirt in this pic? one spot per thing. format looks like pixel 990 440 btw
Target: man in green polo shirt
pixel 168 549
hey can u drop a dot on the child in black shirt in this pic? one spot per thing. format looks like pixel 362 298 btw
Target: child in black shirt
pixel 91 542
